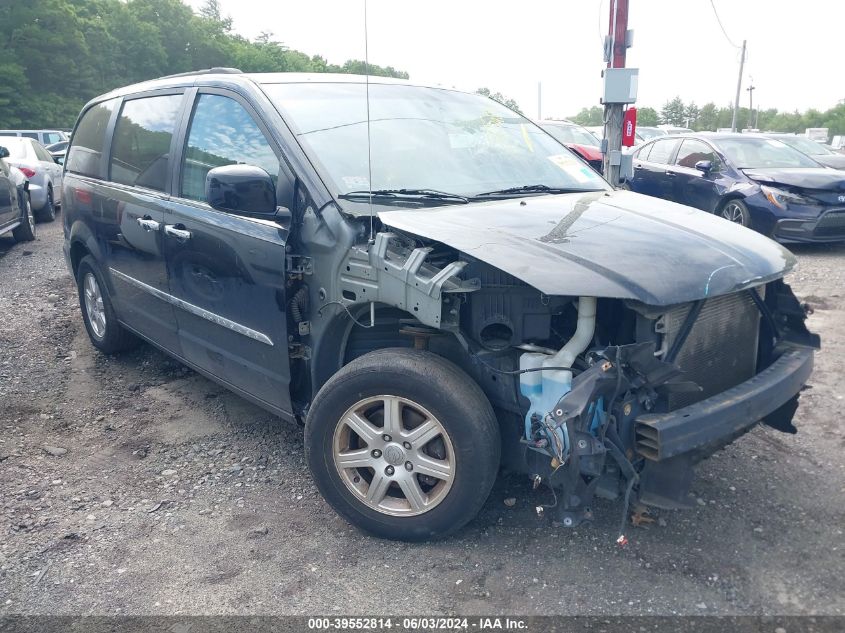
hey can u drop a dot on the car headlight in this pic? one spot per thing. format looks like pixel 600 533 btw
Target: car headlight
pixel 782 199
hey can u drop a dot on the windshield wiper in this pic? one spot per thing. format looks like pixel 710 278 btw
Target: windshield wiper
pixel 406 194
pixel 539 188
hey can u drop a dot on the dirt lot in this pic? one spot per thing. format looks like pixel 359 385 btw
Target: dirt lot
pixel 169 495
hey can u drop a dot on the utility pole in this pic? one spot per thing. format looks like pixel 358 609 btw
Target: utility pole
pixel 613 112
pixel 539 100
pixel 738 88
pixel 750 90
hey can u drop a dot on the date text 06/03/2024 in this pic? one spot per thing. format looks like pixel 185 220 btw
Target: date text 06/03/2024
pixel 419 623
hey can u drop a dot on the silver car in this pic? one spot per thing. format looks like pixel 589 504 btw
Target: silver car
pixel 42 171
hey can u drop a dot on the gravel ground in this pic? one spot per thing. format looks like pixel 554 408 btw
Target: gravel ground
pixel 169 495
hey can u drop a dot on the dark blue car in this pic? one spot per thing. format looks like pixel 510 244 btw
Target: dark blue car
pixel 752 180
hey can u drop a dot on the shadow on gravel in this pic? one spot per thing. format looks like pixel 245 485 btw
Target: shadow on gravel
pixel 831 249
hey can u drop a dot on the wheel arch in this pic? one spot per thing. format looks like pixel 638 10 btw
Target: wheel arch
pixel 342 340
pixel 82 242
pixel 730 195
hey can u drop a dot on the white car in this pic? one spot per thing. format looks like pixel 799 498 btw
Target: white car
pixel 42 171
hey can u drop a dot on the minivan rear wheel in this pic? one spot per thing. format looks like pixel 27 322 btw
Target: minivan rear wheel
pixel 403 444
pixel 98 314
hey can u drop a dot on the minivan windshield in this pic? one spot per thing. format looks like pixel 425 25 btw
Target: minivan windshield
pixel 424 139
pixel 760 153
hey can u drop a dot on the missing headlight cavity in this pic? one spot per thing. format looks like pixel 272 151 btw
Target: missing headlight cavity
pixel 496 336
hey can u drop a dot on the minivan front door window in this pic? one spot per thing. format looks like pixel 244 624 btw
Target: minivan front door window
pixel 141 147
pixel 222 133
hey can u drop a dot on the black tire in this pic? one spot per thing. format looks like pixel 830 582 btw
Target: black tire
pixel 114 337
pixel 48 212
pixel 734 210
pixel 26 231
pixel 452 398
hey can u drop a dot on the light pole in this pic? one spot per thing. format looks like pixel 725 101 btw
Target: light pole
pixel 750 90
pixel 738 88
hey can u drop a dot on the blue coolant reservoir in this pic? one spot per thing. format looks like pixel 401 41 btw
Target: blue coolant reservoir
pixel 542 388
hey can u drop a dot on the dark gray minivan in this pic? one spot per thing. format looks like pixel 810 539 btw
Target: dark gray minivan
pixel 433 284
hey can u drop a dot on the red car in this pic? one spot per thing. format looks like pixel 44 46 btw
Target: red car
pixel 578 139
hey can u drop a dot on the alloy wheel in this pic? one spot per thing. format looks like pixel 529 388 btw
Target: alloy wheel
pixel 733 212
pixel 94 305
pixel 394 455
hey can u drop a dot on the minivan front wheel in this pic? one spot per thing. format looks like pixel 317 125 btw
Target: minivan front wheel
pixel 98 314
pixel 403 444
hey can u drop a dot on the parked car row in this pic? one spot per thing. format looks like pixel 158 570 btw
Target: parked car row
pixel 759 181
pixel 16 215
pixel 42 171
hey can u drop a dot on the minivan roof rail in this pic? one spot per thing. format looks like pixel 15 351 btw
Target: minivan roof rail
pixel 217 70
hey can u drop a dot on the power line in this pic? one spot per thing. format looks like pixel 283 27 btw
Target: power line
pixel 724 32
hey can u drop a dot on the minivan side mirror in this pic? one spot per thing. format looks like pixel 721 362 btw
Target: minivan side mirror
pixel 705 166
pixel 242 189
pixel 4 153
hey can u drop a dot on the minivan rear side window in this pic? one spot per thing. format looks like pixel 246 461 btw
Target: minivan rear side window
pixel 87 148
pixel 140 153
pixel 222 132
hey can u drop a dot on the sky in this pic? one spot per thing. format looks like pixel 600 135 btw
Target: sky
pixel 794 49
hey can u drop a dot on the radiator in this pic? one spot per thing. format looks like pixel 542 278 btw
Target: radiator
pixel 721 349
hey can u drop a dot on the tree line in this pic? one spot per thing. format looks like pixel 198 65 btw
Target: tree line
pixel 58 54
pixel 710 117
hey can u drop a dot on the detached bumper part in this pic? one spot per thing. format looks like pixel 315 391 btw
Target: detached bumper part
pixel 721 418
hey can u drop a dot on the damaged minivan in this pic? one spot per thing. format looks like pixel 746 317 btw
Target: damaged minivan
pixel 433 285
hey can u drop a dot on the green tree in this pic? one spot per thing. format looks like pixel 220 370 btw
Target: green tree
pixel 593 115
pixel 58 54
pixel 646 116
pixel 691 113
pixel 673 112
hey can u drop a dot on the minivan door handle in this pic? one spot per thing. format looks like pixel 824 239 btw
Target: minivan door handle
pixel 182 235
pixel 148 224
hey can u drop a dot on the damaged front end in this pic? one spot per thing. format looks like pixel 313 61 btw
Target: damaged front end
pixel 611 375
pixel 635 420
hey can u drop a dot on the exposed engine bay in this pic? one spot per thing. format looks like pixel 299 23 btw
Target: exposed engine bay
pixel 580 383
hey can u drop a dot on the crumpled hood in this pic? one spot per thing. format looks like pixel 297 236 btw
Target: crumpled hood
pixel 803 178
pixel 605 244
